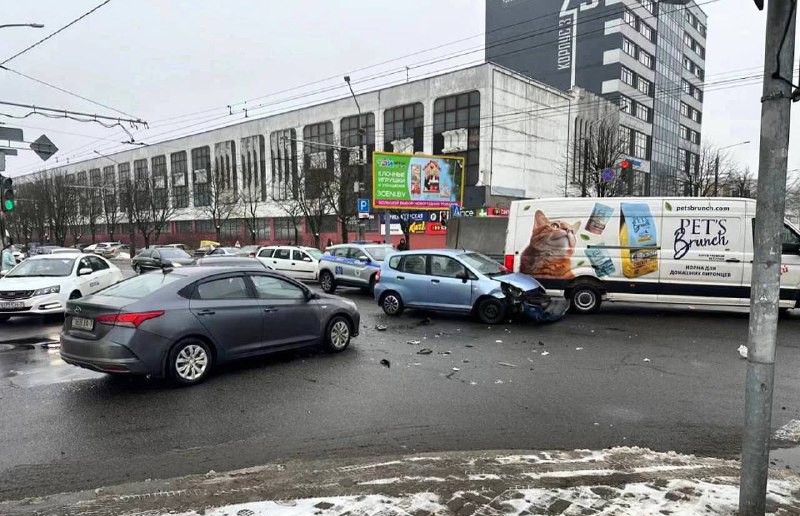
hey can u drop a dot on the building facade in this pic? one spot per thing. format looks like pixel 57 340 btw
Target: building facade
pixel 509 128
pixel 646 56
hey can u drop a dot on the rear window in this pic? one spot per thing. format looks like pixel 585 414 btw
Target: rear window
pixel 138 287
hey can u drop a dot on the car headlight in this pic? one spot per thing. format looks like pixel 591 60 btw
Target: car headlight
pixel 55 289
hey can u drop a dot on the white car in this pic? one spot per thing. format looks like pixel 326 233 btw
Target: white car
pixel 66 250
pixel 297 262
pixel 41 285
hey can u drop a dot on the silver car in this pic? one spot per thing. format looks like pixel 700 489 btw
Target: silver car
pixel 351 265
pixel 180 323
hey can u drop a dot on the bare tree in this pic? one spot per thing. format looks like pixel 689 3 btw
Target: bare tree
pixel 150 206
pixel 340 194
pixel 110 199
pixel 128 208
pixel 741 182
pixel 218 200
pixel 250 201
pixel 291 207
pixel 601 147
pixel 59 201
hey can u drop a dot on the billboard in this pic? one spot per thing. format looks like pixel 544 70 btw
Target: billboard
pixel 416 181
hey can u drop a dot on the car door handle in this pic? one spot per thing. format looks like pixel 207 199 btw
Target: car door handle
pixel 401 277
pixel 270 309
pixel 434 281
pixel 293 263
pixel 206 312
pixel 732 260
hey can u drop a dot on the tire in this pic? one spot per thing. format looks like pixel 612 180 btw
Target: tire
pixel 584 299
pixel 137 270
pixel 371 288
pixel 395 304
pixel 327 282
pixel 491 311
pixel 189 362
pixel 338 334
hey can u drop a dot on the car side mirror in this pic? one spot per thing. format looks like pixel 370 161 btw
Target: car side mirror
pixel 463 276
pixel 363 259
pixel 85 271
pixel 306 259
pixel 310 295
pixel 790 248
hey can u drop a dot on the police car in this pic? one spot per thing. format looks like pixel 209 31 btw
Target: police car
pixel 351 265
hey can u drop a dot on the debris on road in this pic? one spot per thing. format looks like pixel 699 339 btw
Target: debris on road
pixel 646 360
pixel 742 351
pixel 424 351
pixel 385 363
pixel 380 327
pixel 497 382
pixel 424 321
pixel 506 364
pixel 413 342
pixel 498 341
pixel 456 369
pixel 545 353
pixel 541 343
pixel 443 352
pixel 468 346
pixel 578 349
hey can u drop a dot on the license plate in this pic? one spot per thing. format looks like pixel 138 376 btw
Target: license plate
pixel 12 305
pixel 82 323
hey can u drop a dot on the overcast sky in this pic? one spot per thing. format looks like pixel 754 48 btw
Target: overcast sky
pixel 162 59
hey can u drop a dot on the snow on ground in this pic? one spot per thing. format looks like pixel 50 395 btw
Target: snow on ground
pixel 788 432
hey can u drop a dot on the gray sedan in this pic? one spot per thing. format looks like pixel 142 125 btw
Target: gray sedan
pixel 181 322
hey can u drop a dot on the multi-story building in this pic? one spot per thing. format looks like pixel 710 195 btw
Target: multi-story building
pixel 646 56
pixel 507 126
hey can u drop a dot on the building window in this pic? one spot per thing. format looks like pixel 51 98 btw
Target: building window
pixel 643 112
pixel 648 5
pixel 697 116
pixel 697 93
pixel 225 167
pixel 184 227
pixel 349 137
pixel 625 139
pixel 283 150
pixel 124 170
pixel 683 132
pixel 685 109
pixel 640 145
pixel 253 164
pixel 627 76
pixel 285 229
pixel 404 122
pixel 645 86
pixel 629 18
pixel 139 173
pixel 646 59
pixel 625 105
pixel 179 172
pixel 318 170
pixel 111 188
pixel 231 229
pixel 647 31
pixel 686 86
pixel 201 165
pixel 205 226
pixel 460 113
pixel 159 164
pixel 628 47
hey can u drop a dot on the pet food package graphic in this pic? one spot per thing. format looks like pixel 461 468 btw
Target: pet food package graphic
pixel 600 258
pixel 638 240
pixel 601 214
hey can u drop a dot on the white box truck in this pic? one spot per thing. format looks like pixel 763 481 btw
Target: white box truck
pixel 665 250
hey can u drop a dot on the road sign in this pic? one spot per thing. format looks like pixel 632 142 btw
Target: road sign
pixel 363 205
pixel 43 147
pixel 607 174
pixel 11 133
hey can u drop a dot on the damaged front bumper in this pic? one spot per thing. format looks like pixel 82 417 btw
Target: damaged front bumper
pixel 535 304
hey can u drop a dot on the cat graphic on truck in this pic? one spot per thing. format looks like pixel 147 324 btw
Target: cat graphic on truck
pixel 665 250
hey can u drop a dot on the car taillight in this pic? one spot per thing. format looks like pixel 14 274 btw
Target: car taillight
pixel 130 320
pixel 509 262
pixel 378 276
pixel 252 255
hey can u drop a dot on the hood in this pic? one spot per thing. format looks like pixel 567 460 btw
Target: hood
pixel 521 281
pixel 30 283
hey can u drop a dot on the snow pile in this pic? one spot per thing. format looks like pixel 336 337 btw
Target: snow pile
pixel 788 432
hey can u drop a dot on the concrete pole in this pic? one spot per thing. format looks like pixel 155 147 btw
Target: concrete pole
pixel 765 290
pixel 716 175
pixel 387 230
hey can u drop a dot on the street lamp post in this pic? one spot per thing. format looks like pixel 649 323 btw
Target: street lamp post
pixel 716 165
pixel 362 230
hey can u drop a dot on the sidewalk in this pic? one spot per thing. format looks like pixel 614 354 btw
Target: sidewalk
pixel 619 481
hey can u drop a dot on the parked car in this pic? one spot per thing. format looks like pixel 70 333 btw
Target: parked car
pixel 65 250
pixel 106 249
pixel 44 249
pixel 297 262
pixel 18 254
pixel 218 251
pixel 248 250
pixel 460 281
pixel 89 248
pixel 351 265
pixel 230 261
pixel 42 284
pixel 183 247
pixel 30 248
pixel 206 246
pixel 185 321
pixel 158 257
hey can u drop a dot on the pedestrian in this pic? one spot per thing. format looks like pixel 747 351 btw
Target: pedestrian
pixel 330 243
pixel 402 246
pixel 8 261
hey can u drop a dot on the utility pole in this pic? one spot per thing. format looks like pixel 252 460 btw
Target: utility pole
pixel 362 229
pixel 765 290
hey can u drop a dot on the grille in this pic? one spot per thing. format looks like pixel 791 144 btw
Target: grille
pixel 6 295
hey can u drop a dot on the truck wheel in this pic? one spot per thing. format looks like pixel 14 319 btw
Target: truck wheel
pixel 326 282
pixel 491 311
pixel 584 299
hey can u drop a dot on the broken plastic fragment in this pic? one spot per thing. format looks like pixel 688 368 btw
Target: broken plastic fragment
pixel 506 364
pixel 424 351
pixel 742 351
pixel 646 360
pixel 380 327
pixel 413 342
pixel 545 353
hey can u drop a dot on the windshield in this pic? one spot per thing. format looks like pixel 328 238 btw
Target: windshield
pixel 378 252
pixel 483 264
pixel 138 287
pixel 173 253
pixel 315 253
pixel 48 267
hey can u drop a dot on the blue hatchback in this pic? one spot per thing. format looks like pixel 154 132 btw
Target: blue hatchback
pixel 459 281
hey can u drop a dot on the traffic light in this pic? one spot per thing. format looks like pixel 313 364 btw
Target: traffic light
pixel 7 193
pixel 625 165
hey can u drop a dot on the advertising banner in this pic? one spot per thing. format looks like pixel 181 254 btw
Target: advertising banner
pixel 416 181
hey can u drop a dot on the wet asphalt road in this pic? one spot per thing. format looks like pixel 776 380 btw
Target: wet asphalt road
pixel 581 383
